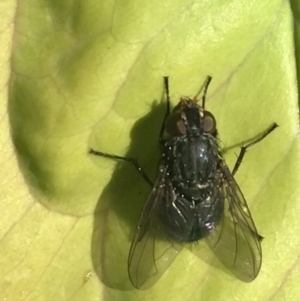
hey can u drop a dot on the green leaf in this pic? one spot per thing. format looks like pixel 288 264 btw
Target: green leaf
pixel 90 73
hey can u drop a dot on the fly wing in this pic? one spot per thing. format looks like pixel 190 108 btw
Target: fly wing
pixel 235 240
pixel 152 251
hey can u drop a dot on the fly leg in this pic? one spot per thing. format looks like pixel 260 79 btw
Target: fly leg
pixel 206 84
pixel 245 147
pixel 134 162
pixel 166 84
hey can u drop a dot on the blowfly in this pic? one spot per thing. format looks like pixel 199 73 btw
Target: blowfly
pixel 194 196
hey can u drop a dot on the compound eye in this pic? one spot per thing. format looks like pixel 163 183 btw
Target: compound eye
pixel 209 122
pixel 175 125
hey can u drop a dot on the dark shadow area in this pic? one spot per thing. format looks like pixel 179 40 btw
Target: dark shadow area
pixel 121 201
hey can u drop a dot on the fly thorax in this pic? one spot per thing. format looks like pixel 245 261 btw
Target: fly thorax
pixel 192 162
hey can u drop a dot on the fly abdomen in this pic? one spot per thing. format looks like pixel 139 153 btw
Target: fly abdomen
pixel 208 213
pixel 187 220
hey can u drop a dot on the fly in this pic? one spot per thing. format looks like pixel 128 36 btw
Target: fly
pixel 194 196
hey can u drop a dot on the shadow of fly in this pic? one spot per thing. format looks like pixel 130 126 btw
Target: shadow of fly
pixel 194 196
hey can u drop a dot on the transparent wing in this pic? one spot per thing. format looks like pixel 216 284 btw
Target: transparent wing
pixel 235 240
pixel 152 251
